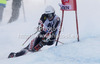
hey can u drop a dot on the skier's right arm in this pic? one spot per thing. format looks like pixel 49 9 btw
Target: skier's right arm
pixel 42 20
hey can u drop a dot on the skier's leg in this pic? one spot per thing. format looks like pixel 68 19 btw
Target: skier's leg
pixel 35 45
pixel 38 42
pixel 51 41
pixel 38 46
pixel 41 44
pixel 22 52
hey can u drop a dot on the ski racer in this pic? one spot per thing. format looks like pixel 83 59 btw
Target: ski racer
pixel 48 27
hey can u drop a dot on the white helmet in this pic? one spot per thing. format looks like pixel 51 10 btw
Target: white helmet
pixel 49 10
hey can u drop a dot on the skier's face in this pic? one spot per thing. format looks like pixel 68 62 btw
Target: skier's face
pixel 50 16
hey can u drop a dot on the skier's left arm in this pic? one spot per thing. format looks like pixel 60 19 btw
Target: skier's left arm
pixel 55 28
pixel 56 25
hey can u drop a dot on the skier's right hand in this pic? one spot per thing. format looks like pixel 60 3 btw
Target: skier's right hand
pixel 39 28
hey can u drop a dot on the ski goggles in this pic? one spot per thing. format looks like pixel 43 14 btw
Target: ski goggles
pixel 50 15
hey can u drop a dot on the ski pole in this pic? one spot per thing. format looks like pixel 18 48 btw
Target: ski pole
pixel 60 27
pixel 59 42
pixel 29 38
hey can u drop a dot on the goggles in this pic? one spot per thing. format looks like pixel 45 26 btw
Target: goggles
pixel 50 15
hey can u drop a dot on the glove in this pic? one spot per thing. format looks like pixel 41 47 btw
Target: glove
pixel 46 37
pixel 40 28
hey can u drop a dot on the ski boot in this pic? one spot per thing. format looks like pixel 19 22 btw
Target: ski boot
pixel 11 55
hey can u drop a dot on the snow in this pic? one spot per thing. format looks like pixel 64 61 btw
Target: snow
pixel 87 51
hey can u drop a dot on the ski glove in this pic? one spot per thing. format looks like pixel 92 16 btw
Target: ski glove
pixel 40 28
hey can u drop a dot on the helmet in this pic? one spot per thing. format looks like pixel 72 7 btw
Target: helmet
pixel 49 10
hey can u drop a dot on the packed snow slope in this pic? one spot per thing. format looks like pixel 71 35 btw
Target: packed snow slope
pixel 87 51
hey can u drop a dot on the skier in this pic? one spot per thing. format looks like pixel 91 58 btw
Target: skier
pixel 48 27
